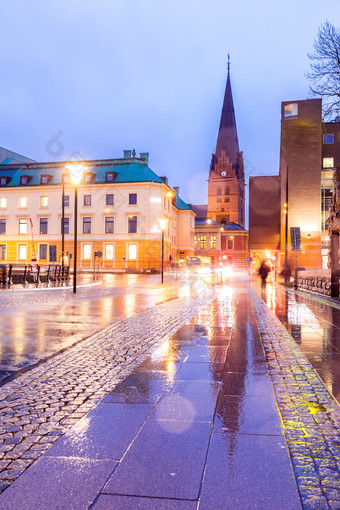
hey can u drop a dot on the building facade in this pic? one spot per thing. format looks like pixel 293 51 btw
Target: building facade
pixel 220 225
pixel 309 151
pixel 120 203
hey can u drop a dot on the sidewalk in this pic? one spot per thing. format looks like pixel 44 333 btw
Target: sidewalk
pixel 227 413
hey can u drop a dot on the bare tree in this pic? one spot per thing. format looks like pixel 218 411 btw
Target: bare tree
pixel 325 69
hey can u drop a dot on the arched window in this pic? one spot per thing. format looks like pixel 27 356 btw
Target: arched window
pixel 219 191
pixel 226 191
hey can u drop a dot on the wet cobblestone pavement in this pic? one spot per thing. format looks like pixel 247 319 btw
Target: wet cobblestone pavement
pixel 310 415
pixel 41 405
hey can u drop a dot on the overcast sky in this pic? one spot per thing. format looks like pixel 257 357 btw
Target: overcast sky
pixel 98 77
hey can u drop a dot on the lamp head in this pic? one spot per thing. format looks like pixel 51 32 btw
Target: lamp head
pixel 76 171
pixel 163 223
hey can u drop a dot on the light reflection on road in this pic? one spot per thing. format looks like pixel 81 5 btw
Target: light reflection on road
pixel 35 325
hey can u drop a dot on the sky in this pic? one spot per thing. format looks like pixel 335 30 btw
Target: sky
pixel 88 79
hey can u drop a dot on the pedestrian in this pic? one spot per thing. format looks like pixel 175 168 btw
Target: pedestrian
pixel 263 272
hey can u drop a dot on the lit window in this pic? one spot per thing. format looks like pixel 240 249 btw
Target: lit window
pixel 23 202
pixel 22 251
pixel 86 225
pixel 88 177
pixel 3 203
pixel 109 249
pixel 87 252
pixel 43 251
pixel 2 251
pixel 328 162
pixel 212 242
pixel 290 110
pixel 43 226
pixel 66 225
pixel 203 242
pixel 23 226
pixel 2 226
pixel 66 201
pixel 43 201
pixel 195 242
pixel 132 251
pixel 109 225
pixel 132 198
pixel 132 225
pixel 109 199
pixel 87 200
pixel 66 178
pixel 328 138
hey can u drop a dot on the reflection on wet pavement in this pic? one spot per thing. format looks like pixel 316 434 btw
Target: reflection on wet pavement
pixel 36 324
pixel 314 324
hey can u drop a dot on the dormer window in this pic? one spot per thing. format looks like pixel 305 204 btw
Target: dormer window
pixel 89 177
pixel 25 179
pixel 110 176
pixel 66 178
pixel 4 181
pixel 45 179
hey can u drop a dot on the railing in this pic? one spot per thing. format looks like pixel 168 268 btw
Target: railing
pixel 11 274
pixel 317 282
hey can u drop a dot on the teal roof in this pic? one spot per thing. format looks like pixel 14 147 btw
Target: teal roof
pixel 125 172
pixel 180 204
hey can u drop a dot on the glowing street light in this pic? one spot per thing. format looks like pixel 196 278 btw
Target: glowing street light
pixel 76 172
pixel 163 223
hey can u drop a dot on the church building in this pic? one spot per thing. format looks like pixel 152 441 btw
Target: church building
pixel 220 226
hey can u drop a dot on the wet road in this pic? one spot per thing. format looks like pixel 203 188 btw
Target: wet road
pixel 38 323
pixel 314 323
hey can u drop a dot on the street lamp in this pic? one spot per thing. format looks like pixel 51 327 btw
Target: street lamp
pixel 76 171
pixel 163 223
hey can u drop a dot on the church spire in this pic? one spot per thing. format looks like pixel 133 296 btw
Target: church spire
pixel 227 139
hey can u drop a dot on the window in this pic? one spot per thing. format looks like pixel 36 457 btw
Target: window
pixel 89 177
pixel 43 226
pixel 42 251
pixel 195 242
pixel 226 199
pixel 230 244
pixel 328 162
pixel 3 203
pixel 66 178
pixel 132 225
pixel 109 199
pixel 2 251
pixel 110 176
pixel 22 202
pixel 22 251
pixel 109 249
pixel 132 251
pixel 45 179
pixel 109 225
pixel 219 191
pixel 87 200
pixel 290 110
pixel 219 200
pixel 3 181
pixel 43 201
pixel 132 198
pixel 66 201
pixel 203 242
pixel 2 226
pixel 86 225
pixel 212 242
pixel 226 191
pixel 66 225
pixel 328 138
pixel 23 227
pixel 87 252
pixel 24 179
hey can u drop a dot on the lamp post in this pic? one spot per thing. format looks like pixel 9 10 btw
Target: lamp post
pixel 163 223
pixel 62 229
pixel 76 171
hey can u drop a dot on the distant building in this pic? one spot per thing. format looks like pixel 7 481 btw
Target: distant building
pixel 220 226
pixel 10 157
pixel 309 151
pixel 119 204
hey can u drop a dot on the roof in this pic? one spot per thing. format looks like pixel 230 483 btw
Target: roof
pixel 233 226
pixel 201 211
pixel 126 171
pixel 180 204
pixel 7 157
pixel 203 221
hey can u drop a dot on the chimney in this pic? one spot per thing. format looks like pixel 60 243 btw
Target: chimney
pixel 164 179
pixel 127 154
pixel 144 156
pixel 176 190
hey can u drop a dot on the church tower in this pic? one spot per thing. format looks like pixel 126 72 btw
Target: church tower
pixel 226 185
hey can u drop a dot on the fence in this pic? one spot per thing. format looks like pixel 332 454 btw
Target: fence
pixel 20 273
